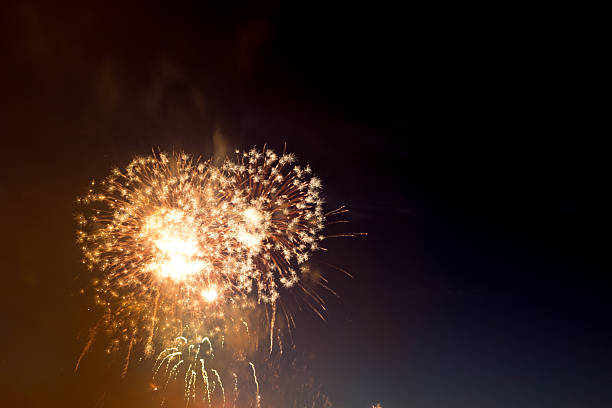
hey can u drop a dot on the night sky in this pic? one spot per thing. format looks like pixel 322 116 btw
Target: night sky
pixel 458 143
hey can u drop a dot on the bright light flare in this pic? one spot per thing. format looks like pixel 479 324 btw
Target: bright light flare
pixel 210 294
pixel 174 236
pixel 253 217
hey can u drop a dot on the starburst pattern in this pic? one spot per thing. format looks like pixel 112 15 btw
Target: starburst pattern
pixel 179 241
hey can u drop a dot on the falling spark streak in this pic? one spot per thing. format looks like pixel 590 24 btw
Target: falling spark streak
pixel 175 370
pixel 127 358
pixel 188 379
pixel 173 352
pixel 205 376
pixel 235 389
pixel 280 344
pixel 272 327
pixel 220 384
pixel 257 396
pixel 90 339
pixel 149 345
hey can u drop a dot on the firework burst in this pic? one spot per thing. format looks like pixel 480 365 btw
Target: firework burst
pixel 180 242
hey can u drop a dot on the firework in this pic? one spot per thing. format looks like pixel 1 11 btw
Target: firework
pixel 188 254
pixel 181 243
pixel 207 376
pixel 201 365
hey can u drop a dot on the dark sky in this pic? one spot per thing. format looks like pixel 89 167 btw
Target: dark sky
pixel 459 142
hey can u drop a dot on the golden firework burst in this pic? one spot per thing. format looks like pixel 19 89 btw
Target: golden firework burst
pixel 179 241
